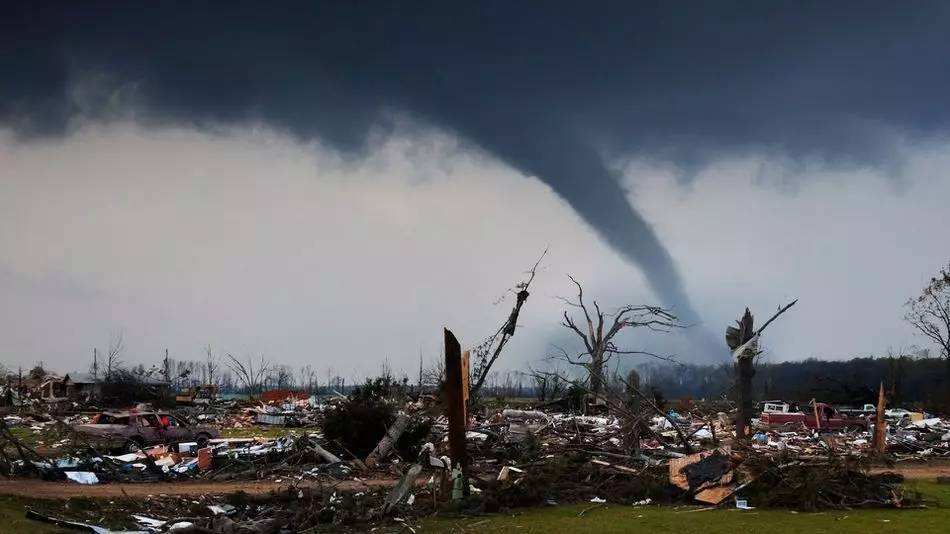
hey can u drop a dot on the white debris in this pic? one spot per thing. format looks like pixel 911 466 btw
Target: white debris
pixel 82 477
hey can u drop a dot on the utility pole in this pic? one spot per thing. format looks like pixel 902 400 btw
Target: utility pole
pixel 95 364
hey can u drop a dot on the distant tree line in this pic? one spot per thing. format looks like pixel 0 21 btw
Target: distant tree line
pixel 908 381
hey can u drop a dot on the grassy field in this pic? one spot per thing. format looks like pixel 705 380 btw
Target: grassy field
pixel 586 518
pixel 13 518
pixel 683 520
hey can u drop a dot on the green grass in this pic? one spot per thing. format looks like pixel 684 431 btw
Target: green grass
pixel 616 518
pixel 679 520
pixel 13 517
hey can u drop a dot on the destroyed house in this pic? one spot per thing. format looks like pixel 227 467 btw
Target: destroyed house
pixel 75 386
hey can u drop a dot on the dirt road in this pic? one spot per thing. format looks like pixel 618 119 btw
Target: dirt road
pixel 918 471
pixel 62 490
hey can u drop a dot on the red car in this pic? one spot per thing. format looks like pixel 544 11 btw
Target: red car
pixel 828 419
pixel 131 431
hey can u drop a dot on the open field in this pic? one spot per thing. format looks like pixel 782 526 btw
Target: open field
pixel 586 518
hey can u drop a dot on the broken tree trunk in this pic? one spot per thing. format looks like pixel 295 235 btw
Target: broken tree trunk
pixel 742 341
pixel 455 405
pixel 389 440
pixel 325 454
pixel 880 442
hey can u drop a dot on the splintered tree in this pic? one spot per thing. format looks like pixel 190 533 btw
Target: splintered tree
pixel 486 353
pixel 743 341
pixel 599 331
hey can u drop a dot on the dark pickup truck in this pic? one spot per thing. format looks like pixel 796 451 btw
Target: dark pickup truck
pixel 828 418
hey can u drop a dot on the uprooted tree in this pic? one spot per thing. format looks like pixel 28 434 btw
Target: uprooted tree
pixel 487 352
pixel 600 330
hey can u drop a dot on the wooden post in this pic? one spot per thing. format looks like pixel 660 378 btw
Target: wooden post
pixel 879 442
pixel 466 378
pixel 455 406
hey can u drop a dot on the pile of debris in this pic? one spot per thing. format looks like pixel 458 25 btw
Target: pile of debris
pixel 220 459
pixel 832 482
pixel 312 509
pixel 922 438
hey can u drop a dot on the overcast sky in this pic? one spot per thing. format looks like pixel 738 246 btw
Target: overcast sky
pixel 331 186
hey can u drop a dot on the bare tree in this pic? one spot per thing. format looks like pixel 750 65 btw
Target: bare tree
pixel 251 377
pixel 308 378
pixel 598 336
pixel 280 377
pixel 488 351
pixel 432 377
pixel 929 313
pixel 114 356
pixel 211 363
pixel 547 385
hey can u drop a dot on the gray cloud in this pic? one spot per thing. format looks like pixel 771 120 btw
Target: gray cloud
pixel 253 241
pixel 546 91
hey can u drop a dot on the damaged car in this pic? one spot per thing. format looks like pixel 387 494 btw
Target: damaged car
pixel 132 431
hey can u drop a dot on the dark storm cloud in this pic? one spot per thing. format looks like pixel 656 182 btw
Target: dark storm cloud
pixel 547 88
